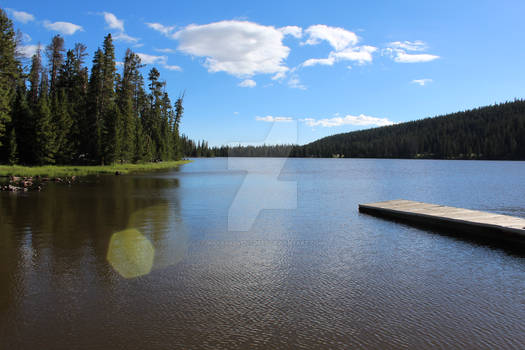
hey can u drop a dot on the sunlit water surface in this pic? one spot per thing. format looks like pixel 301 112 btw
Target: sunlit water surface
pixel 152 261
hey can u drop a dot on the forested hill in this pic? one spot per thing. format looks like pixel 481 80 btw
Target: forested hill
pixel 493 132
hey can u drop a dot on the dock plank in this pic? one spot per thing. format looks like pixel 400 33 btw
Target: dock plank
pixel 460 219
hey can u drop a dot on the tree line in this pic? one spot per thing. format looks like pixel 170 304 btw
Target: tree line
pixel 62 113
pixel 491 132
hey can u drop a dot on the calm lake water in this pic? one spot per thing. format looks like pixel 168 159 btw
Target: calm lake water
pixel 260 253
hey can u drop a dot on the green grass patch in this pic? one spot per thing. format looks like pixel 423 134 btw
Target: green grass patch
pixel 84 170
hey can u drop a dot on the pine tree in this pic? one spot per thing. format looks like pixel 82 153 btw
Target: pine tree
pixel 34 77
pixel 153 120
pixel 24 124
pixel 45 136
pixel 111 117
pixel 72 80
pixel 92 140
pixel 9 71
pixel 127 106
pixel 63 127
pixel 55 58
pixel 179 111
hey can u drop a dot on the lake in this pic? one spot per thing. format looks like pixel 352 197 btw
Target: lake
pixel 260 253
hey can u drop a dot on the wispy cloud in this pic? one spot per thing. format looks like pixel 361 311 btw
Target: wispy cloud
pixel 402 57
pixel 125 38
pixel 27 50
pixel 295 83
pixel 167 50
pixel 399 52
pixel 65 28
pixel 172 67
pixel 272 119
pixel 165 30
pixel 152 59
pixel 161 60
pixel 417 45
pixel 421 82
pixel 113 22
pixel 249 83
pixel 360 120
pixel 21 16
pixel 360 54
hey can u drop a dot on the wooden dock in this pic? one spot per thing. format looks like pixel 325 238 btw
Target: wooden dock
pixel 478 223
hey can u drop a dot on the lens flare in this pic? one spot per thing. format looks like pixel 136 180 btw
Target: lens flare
pixel 130 253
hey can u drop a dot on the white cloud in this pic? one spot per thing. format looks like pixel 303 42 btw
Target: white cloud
pixel 161 60
pixel 397 50
pixel 319 61
pixel 279 76
pixel 239 48
pixel 402 57
pixel 296 32
pixel 165 30
pixel 152 59
pixel 165 50
pixel 21 16
pixel 421 82
pixel 65 28
pixel 271 119
pixel 248 83
pixel 361 54
pixel 126 38
pixel 118 24
pixel 360 120
pixel 417 45
pixel 113 22
pixel 172 67
pixel 338 38
pixel 344 43
pixel 27 50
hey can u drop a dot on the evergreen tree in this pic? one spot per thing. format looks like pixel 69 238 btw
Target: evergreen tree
pixel 55 57
pixel 34 77
pixel 72 81
pixel 93 124
pixel 70 116
pixel 24 124
pixel 128 110
pixel 45 135
pixel 9 71
pixel 111 117
pixel 63 127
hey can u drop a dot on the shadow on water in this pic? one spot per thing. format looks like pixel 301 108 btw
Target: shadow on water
pixel 46 236
pixel 488 239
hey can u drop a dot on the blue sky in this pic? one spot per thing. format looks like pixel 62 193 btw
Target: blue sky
pixel 317 68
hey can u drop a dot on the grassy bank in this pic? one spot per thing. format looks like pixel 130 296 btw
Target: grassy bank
pixel 81 170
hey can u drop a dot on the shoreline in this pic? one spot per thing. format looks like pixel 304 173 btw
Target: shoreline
pixel 84 170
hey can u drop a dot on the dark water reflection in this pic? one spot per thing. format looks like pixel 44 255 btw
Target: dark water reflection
pixel 317 276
